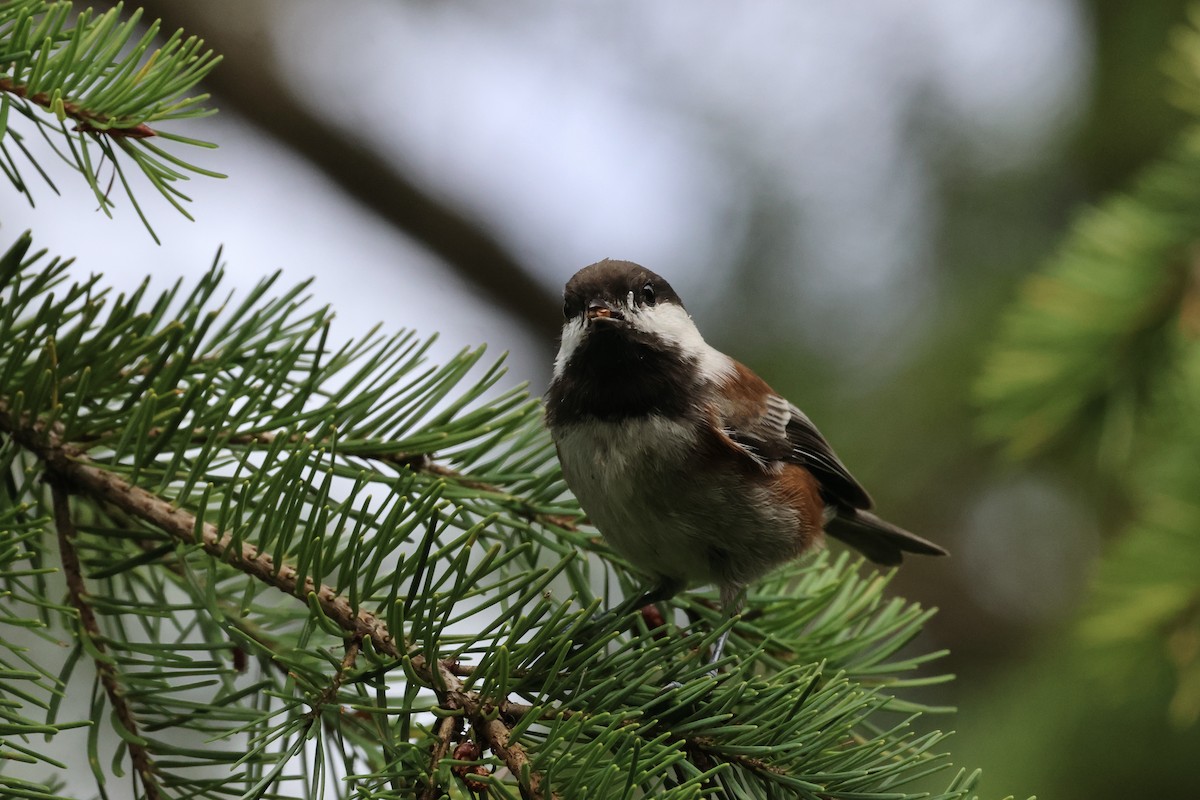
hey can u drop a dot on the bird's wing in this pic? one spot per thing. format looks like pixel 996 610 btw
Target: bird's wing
pixel 775 430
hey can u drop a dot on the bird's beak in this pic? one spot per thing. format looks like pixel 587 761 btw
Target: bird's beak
pixel 602 309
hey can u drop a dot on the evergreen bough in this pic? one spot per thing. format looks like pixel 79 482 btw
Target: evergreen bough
pixel 95 87
pixel 240 560
pixel 1100 358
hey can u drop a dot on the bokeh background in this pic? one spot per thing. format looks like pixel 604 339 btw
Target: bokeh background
pixel 846 194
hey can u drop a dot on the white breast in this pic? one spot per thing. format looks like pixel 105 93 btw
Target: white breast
pixel 640 485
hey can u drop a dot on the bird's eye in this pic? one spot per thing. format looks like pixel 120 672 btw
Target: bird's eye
pixel 648 294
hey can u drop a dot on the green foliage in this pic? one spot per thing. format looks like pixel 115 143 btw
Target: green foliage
pixel 239 561
pixel 437 581
pixel 1102 355
pixel 93 86
pixel 1148 587
pixel 27 684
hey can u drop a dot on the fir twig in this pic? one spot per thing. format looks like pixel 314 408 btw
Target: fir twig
pixel 65 465
pixel 87 120
pixel 353 648
pixel 445 730
pixel 417 462
pixel 100 83
pixel 90 630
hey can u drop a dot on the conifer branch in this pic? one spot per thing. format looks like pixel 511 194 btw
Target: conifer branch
pixel 90 628
pixel 446 729
pixel 111 78
pixel 496 734
pixel 353 648
pixel 64 464
pixel 87 120
pixel 67 464
pixel 1100 357
pixel 416 462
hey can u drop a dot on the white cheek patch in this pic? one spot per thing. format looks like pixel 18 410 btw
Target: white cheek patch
pixel 668 321
pixel 675 326
pixel 572 337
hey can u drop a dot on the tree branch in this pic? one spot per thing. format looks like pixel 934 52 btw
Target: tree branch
pixel 417 462
pixel 353 648
pixel 495 732
pixel 90 628
pixel 65 464
pixel 444 732
pixel 249 82
pixel 86 120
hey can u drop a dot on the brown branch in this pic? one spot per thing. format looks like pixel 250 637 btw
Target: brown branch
pixel 704 747
pixel 86 121
pixel 416 462
pixel 90 628
pixel 353 648
pixel 251 83
pixel 444 734
pixel 68 466
pixel 496 733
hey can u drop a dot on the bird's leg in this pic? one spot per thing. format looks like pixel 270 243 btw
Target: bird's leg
pixel 733 598
pixel 605 621
pixel 661 589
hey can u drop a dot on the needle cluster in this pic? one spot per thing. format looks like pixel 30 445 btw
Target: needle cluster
pixel 95 88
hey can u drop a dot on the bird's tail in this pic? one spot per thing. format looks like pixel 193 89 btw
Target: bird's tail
pixel 877 539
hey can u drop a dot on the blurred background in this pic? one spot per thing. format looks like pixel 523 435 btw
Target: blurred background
pixel 846 195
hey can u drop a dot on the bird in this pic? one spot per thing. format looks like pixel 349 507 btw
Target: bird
pixel 690 465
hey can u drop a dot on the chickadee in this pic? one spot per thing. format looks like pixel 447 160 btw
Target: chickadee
pixel 688 463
